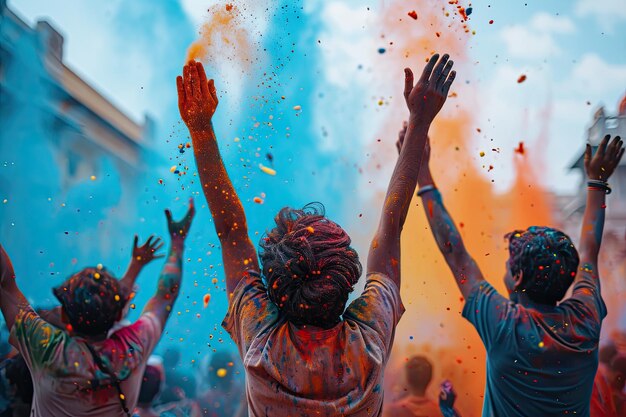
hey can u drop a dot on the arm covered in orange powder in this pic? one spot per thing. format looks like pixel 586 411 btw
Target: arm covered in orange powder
pixel 197 102
pixel 424 101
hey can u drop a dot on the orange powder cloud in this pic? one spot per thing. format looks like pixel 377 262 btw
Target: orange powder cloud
pixel 432 324
pixel 223 37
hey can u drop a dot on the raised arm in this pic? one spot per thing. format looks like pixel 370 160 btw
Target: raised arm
pixel 141 256
pixel 447 236
pixel 197 102
pixel 424 101
pixel 11 298
pixel 598 168
pixel 169 281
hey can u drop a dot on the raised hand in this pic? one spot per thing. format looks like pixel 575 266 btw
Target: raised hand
pixel 426 98
pixel 179 229
pixel 601 165
pixel 197 98
pixel 146 253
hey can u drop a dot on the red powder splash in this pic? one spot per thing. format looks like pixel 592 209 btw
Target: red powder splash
pixel 223 37
pixel 520 148
pixel 521 78
pixel 413 14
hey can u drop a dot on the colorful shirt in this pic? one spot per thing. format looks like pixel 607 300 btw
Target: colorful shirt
pixel 414 406
pixel 303 371
pixel 541 361
pixel 67 382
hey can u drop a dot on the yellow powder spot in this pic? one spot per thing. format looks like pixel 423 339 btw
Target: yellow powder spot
pixel 76 364
pixel 482 154
pixel 214 280
pixel 310 229
pixel 93 178
pixel 117 297
pixel 267 170
pixel 296 108
pixel 222 372
pixel 173 168
pixel 122 397
pixel 96 275
pixel 541 344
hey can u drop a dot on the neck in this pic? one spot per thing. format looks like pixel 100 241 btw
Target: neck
pixel 91 338
pixel 520 297
pixel 418 393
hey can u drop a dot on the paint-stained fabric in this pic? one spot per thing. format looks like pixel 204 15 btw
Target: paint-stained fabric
pixel 414 406
pixel 541 361
pixel 304 371
pixel 65 376
pixel 602 402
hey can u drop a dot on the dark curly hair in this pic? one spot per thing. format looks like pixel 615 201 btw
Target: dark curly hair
pixel 547 260
pixel 309 266
pixel 92 299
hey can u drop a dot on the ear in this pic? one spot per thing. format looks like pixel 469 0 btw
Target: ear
pixel 517 279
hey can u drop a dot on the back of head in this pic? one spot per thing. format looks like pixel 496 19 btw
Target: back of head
pixel 93 300
pixel 547 260
pixel 309 266
pixel 419 372
pixel 150 385
pixel 171 357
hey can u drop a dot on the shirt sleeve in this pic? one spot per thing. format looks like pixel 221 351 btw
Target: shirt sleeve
pixel 586 302
pixel 36 339
pixel 250 312
pixel 378 308
pixel 486 308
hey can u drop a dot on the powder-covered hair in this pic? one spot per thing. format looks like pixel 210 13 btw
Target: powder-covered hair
pixel 547 260
pixel 309 266
pixel 93 300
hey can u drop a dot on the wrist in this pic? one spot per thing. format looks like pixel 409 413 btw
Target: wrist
pixel 417 121
pixel 178 243
pixel 202 128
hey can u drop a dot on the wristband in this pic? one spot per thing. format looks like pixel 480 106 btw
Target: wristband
pixel 598 185
pixel 425 189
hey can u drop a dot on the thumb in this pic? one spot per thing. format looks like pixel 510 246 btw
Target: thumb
pixel 408 82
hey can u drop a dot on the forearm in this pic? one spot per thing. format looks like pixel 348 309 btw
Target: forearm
pixel 404 178
pixel 449 240
pixel 224 203
pixel 593 226
pixel 131 274
pixel 171 275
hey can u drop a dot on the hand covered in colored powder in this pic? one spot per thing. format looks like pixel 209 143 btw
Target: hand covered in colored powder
pixel 601 165
pixel 179 229
pixel 197 97
pixel 426 98
pixel 147 252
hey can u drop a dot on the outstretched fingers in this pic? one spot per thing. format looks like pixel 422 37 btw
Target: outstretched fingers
pixel 187 81
pixel 204 86
pixel 444 75
pixel 181 92
pixel 428 69
pixel 448 83
pixel 212 90
pixel 434 79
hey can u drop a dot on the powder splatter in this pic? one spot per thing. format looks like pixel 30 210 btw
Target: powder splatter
pixel 521 78
pixel 223 37
pixel 413 14
pixel 267 170
pixel 520 148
